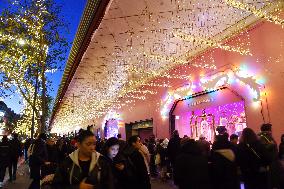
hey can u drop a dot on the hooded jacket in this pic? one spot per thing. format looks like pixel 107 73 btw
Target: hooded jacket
pixel 69 173
pixel 191 167
pixel 140 177
pixel 224 166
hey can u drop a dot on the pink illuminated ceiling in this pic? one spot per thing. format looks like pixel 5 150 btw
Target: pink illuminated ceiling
pixel 117 69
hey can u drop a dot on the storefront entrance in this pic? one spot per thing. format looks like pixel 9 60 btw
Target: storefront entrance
pixel 142 128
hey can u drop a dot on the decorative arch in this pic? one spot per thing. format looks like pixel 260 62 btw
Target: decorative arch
pixel 231 78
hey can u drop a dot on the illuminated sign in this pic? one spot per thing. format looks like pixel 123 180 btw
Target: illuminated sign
pixel 201 102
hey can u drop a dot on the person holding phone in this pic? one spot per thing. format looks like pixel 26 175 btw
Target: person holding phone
pixel 84 163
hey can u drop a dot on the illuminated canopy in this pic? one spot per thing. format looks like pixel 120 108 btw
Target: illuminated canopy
pixel 137 41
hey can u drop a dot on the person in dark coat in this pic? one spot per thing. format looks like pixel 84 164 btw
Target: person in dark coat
pixel 84 168
pixel 152 150
pixel 119 164
pixel 204 145
pixel 37 159
pixel 275 168
pixel 163 154
pixel 281 148
pixel 223 166
pixel 253 160
pixel 62 150
pixel 141 178
pixel 16 152
pixel 5 156
pixel 122 143
pixel 191 167
pixel 52 158
pixel 174 146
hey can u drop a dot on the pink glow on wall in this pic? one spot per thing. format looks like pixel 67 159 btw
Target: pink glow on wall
pixel 223 105
pixel 267 61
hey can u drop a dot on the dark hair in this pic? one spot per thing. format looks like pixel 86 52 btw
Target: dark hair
pixel 118 135
pixel 42 136
pixel 84 134
pixel 221 130
pixel 15 135
pixel 175 133
pixel 110 142
pixel 234 136
pixel 248 136
pixel 132 139
pixel 266 127
pixel 190 146
pixel 5 138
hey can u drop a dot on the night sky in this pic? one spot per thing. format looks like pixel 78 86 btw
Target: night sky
pixel 71 11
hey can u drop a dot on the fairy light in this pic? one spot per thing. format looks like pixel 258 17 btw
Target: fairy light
pixel 257 12
pixel 212 83
pixel 211 43
pixel 144 53
pixel 16 61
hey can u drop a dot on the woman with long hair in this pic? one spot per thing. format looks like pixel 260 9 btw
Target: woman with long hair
pixel 253 160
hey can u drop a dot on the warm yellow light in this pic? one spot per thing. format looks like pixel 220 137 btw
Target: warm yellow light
pixel 21 41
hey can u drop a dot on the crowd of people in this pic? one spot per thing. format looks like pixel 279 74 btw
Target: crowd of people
pixel 84 162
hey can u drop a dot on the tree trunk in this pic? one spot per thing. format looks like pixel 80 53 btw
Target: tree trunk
pixel 34 106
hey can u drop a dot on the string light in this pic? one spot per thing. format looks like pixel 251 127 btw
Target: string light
pixel 210 84
pixel 148 49
pixel 21 49
pixel 211 43
pixel 257 12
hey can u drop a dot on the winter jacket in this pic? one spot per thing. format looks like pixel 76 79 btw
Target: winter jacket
pixel 270 144
pixel 140 178
pixel 39 153
pixel 173 148
pixel 276 170
pixel 163 155
pixel 5 154
pixel 281 150
pixel 223 169
pixel 52 153
pixel 16 149
pixel 69 174
pixel 191 168
pixel 254 160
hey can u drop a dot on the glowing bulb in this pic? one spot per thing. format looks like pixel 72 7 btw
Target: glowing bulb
pixel 256 104
pixel 21 41
pixel 177 96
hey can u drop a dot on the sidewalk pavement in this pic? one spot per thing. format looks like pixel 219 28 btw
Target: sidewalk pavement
pixel 158 184
pixel 22 181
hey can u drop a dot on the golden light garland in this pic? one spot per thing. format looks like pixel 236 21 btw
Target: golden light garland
pixel 211 43
pixel 143 52
pixel 15 62
pixel 257 12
